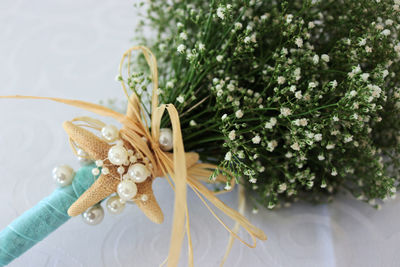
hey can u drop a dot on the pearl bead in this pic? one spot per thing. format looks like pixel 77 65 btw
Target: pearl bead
pixel 63 175
pixel 83 157
pixel 138 172
pixel 105 171
pixel 144 198
pixel 114 205
pixel 99 163
pixel 117 155
pixel 94 215
pixel 119 142
pixel 132 159
pixel 130 152
pixel 126 190
pixel 95 171
pixel 121 170
pixel 109 132
pixel 165 140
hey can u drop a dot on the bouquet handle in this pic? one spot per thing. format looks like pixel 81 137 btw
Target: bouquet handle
pixel 41 220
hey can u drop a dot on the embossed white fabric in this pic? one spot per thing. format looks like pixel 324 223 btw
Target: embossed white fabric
pixel 71 49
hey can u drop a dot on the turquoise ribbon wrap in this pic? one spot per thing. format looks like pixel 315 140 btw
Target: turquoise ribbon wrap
pixel 38 222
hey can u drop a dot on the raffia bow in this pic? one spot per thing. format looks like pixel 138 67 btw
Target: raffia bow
pixel 136 132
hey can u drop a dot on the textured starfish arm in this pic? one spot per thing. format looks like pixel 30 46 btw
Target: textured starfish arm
pixel 149 207
pixel 102 188
pixel 89 142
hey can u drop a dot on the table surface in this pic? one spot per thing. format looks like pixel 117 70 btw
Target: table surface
pixel 71 49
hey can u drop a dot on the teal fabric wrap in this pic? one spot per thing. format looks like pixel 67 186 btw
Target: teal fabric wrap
pixel 38 222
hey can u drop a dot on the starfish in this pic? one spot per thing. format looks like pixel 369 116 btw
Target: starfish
pixel 106 184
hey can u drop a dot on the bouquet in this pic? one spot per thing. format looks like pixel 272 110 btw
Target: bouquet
pixel 293 100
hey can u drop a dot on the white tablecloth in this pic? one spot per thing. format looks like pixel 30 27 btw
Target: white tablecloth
pixel 71 49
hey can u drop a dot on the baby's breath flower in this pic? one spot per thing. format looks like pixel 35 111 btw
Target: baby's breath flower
pixel 228 187
pixel 281 80
pixel 282 188
pixel 221 13
pixel 330 146
pixel 386 32
pixel 364 76
pixel 181 48
pixel 299 42
pixel 295 146
pixel 289 18
pixel 180 99
pixel 170 84
pixel 271 145
pixel 232 135
pixel 201 47
pixel 271 123
pixel 286 111
pixel 256 139
pixel 325 57
pixel 238 25
pixel 183 35
pixel 315 59
pixel 239 114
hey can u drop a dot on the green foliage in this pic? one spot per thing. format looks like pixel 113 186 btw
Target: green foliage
pixel 299 100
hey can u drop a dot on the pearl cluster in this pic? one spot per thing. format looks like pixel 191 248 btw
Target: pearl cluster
pixel 130 167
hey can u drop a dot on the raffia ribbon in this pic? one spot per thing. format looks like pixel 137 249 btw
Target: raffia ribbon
pixel 136 127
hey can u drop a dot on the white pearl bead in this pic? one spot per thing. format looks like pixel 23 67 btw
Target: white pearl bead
pixel 110 133
pixel 126 190
pixel 138 172
pixel 144 198
pixel 114 205
pixel 83 157
pixel 132 159
pixel 165 140
pixel 63 175
pixel 117 155
pixel 99 163
pixel 105 171
pixel 130 152
pixel 95 171
pixel 121 170
pixel 94 215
